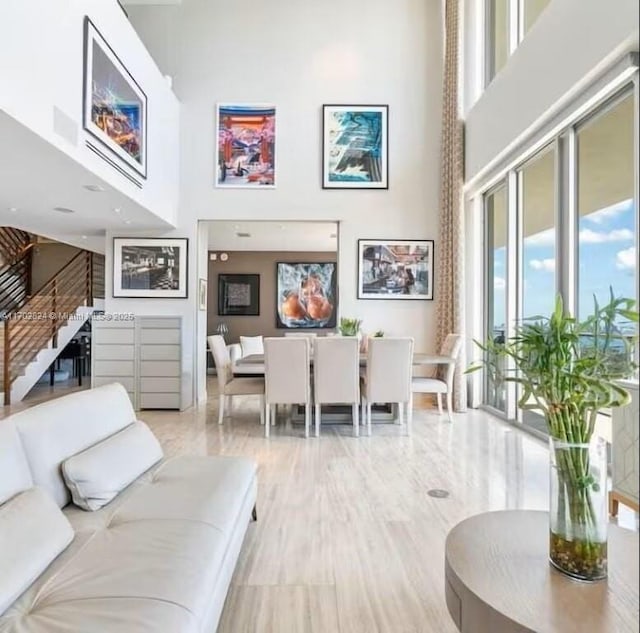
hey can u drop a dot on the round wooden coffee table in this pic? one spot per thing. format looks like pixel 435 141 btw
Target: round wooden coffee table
pixel 498 580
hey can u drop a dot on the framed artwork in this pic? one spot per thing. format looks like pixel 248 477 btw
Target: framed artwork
pixel 150 268
pixel 238 295
pixel 395 269
pixel 246 152
pixel 306 295
pixel 355 149
pixel 114 105
pixel 202 294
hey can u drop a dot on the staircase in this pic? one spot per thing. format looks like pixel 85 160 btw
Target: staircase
pixel 35 327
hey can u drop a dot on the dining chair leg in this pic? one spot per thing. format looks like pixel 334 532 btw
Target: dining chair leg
pixel 267 418
pixel 410 414
pixel 363 412
pixel 317 420
pixel 400 413
pixel 230 403
pixel 274 414
pixel 221 398
pixel 356 421
pixel 262 406
pixel 307 418
pixel 439 399
pixel 368 418
pixel 449 404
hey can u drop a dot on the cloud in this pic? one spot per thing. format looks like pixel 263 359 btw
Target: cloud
pixel 626 259
pixel 544 238
pixel 587 236
pixel 547 265
pixel 499 283
pixel 601 216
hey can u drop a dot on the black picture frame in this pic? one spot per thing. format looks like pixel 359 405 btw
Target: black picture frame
pixel 292 280
pixel 169 253
pixel 389 259
pixel 382 171
pixel 124 155
pixel 228 305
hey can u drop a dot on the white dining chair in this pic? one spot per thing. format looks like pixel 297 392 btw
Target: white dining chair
pixel 287 376
pixel 336 376
pixel 388 376
pixel 442 382
pixel 229 386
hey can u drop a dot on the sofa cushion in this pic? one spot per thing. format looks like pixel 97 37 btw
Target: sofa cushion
pixel 97 474
pixel 36 531
pixel 251 345
pixel 15 475
pixel 57 429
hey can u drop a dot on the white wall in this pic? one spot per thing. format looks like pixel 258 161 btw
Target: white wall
pixel 572 41
pixel 41 68
pixel 300 55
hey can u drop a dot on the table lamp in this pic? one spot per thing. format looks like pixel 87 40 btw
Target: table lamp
pixel 222 329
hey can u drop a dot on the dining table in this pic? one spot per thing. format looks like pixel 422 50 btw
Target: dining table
pixel 419 359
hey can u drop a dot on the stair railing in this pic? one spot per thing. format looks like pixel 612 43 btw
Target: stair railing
pixel 30 328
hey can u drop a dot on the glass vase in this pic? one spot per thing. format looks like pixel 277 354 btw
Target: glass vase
pixel 579 512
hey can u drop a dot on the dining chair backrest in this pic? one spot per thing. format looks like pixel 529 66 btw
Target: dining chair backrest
pixel 389 369
pixel 451 347
pixel 222 359
pixel 336 370
pixel 310 337
pixel 286 370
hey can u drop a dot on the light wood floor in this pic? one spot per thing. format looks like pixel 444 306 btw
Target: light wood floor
pixel 347 538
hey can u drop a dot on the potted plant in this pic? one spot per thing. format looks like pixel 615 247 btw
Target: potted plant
pixel 568 370
pixel 349 327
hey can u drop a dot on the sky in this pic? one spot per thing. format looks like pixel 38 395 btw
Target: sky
pixel 607 257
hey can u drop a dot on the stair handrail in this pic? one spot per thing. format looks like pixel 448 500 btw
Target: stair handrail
pixel 61 295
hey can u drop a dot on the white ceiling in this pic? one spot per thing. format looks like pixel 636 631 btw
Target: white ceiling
pixel 273 236
pixel 149 2
pixel 35 177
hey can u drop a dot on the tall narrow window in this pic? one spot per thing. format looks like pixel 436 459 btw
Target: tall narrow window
pixel 537 211
pixel 607 232
pixel 531 10
pixel 497 36
pixel 496 276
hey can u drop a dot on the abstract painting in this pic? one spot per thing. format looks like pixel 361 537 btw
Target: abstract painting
pixel 150 267
pixel 114 105
pixel 306 295
pixel 355 147
pixel 238 295
pixel 246 152
pixel 395 269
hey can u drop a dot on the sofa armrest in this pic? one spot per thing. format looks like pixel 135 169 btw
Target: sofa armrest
pixel 235 352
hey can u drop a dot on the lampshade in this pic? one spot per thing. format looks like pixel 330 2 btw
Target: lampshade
pixel 222 329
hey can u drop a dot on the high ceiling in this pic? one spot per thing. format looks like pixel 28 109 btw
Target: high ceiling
pixel 273 236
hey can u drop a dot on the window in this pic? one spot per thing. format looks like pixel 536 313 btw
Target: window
pixel 565 221
pixel 497 36
pixel 507 22
pixel 496 275
pixel 531 10
pixel 607 232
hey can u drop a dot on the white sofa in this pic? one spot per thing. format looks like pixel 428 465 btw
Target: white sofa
pixel 248 345
pixel 158 558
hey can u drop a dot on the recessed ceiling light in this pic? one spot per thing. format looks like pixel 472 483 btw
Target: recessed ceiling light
pixel 127 221
pixel 117 210
pixel 84 237
pixel 13 209
pixel 95 188
pixel 236 226
pixel 63 210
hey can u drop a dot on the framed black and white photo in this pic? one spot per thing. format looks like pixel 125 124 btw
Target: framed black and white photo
pixel 150 268
pixel 114 105
pixel 395 269
pixel 355 147
pixel 238 295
